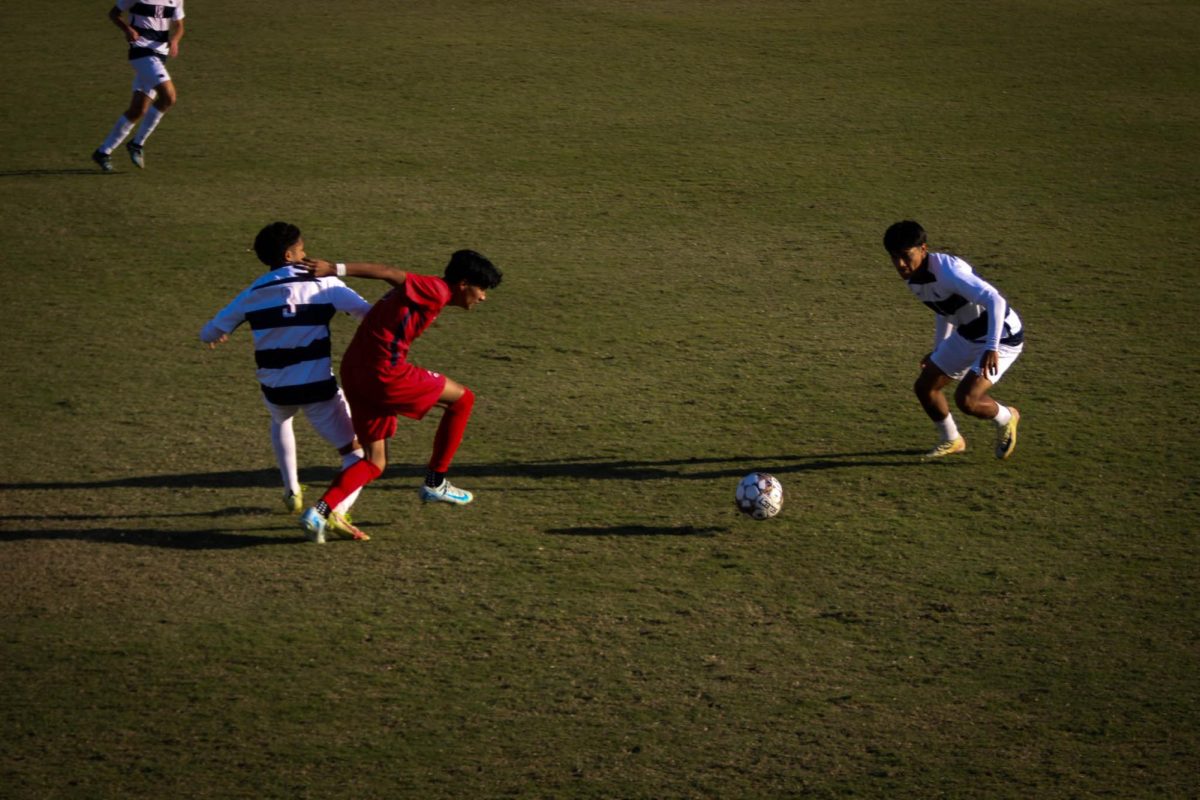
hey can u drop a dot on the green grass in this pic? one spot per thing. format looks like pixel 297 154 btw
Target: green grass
pixel 687 200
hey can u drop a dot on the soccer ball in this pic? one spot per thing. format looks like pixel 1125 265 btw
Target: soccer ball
pixel 759 495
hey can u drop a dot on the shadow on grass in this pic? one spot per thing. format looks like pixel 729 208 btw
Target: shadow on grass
pixel 181 540
pixel 50 173
pixel 207 539
pixel 587 468
pixel 635 530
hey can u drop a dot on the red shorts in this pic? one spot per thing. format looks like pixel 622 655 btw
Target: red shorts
pixel 375 401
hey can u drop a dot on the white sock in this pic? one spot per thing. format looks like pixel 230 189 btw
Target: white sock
pixel 1003 415
pixel 117 134
pixel 283 439
pixel 948 428
pixel 347 460
pixel 149 123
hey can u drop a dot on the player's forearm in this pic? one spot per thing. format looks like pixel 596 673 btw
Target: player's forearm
pixel 114 16
pixel 176 33
pixel 366 269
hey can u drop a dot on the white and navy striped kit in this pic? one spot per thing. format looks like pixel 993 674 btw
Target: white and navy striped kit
pixel 152 20
pixel 965 303
pixel 289 312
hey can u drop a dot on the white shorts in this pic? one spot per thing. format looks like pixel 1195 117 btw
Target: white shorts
pixel 148 73
pixel 955 355
pixel 329 418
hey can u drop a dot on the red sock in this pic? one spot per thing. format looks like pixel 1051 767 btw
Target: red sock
pixel 450 432
pixel 355 476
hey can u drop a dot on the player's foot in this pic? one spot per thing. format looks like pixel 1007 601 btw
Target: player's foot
pixel 293 501
pixel 313 525
pixel 446 493
pixel 103 160
pixel 948 448
pixel 1006 435
pixel 341 524
pixel 135 155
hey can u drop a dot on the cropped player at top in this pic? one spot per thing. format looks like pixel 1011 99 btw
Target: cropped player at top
pixel 289 312
pixel 977 337
pixel 381 383
pixel 153 33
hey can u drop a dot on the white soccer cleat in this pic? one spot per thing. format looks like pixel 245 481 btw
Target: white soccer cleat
pixel 446 493
pixel 313 525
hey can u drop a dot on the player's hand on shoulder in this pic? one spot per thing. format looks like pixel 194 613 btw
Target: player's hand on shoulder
pixel 318 267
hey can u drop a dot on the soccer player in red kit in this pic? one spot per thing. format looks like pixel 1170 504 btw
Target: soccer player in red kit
pixel 380 383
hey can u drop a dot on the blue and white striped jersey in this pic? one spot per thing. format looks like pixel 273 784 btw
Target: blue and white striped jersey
pixel 289 313
pixel 965 303
pixel 152 20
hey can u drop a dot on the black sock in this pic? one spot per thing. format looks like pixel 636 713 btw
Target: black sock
pixel 434 479
pixel 322 508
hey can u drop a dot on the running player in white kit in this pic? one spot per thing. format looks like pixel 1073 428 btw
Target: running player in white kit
pixel 153 33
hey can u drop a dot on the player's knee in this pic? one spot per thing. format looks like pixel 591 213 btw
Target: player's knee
pixel 968 403
pixel 466 402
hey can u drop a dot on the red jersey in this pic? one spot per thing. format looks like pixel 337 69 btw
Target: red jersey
pixel 381 343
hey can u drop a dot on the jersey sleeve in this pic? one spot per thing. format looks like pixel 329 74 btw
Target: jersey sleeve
pixel 427 291
pixel 964 281
pixel 226 320
pixel 346 299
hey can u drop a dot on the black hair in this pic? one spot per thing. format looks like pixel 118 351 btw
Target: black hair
pixel 273 241
pixel 903 235
pixel 476 270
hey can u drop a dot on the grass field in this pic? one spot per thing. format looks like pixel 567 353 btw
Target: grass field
pixel 687 199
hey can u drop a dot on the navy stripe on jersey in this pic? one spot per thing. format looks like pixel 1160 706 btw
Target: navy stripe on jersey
pixel 301 393
pixel 400 335
pixel 152 35
pixel 283 357
pixel 278 317
pixel 948 306
pixel 149 10
pixel 143 52
pixel 976 331
pixel 282 281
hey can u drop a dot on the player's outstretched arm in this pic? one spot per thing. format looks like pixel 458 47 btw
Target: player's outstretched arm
pixel 325 269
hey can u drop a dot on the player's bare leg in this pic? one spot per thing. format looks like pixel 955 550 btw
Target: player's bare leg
pixel 164 98
pixel 973 398
pixel 929 388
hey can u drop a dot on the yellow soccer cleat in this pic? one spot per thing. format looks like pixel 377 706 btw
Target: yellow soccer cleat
pixel 1006 436
pixel 948 448
pixel 341 524
pixel 293 501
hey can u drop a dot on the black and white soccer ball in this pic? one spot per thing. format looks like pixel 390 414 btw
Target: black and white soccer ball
pixel 759 495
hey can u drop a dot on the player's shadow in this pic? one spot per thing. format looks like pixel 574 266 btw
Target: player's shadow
pixel 51 173
pixel 206 539
pixel 590 468
pixel 209 539
pixel 635 530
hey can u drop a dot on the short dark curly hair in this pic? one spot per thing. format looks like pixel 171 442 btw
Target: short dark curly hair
pixel 273 241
